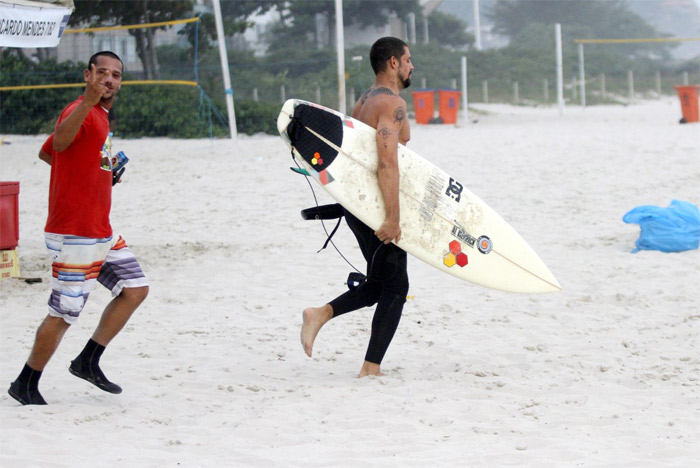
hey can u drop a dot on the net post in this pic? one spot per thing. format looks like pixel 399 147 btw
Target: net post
pixel 221 39
pixel 560 71
pixel 465 97
pixel 581 75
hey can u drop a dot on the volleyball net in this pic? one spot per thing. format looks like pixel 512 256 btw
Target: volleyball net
pixel 161 93
pixel 599 82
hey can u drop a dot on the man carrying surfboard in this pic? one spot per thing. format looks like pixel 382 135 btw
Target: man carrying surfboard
pixel 386 284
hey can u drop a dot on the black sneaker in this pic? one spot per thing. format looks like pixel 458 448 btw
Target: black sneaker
pixel 94 376
pixel 24 395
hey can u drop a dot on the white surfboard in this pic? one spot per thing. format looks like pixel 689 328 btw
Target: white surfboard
pixel 442 222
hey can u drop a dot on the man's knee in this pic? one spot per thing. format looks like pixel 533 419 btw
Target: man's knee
pixel 400 284
pixel 135 295
pixel 52 326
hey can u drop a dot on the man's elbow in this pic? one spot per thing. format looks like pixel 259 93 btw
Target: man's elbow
pixel 387 164
pixel 44 156
pixel 60 146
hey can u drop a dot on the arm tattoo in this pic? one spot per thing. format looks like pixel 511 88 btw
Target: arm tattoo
pixel 399 115
pixel 385 134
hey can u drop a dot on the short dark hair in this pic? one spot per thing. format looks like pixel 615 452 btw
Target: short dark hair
pixel 108 53
pixel 383 49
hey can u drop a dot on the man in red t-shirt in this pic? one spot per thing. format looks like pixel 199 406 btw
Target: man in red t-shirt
pixel 83 247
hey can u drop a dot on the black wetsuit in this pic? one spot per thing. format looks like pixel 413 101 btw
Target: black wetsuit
pixel 386 286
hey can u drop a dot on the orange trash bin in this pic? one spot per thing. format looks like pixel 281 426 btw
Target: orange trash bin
pixel 449 105
pixel 424 105
pixel 689 102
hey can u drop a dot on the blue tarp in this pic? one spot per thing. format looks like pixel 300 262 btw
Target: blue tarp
pixel 672 229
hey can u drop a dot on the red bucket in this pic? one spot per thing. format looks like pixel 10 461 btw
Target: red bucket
pixel 9 215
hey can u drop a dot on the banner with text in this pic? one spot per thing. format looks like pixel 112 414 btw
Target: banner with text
pixel 22 26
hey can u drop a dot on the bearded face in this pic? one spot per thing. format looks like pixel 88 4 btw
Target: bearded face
pixel 405 69
pixel 405 80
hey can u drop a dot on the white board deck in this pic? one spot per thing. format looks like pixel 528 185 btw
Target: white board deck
pixel 442 222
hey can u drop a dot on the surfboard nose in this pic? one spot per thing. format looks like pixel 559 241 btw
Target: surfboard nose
pixel 546 282
pixel 551 283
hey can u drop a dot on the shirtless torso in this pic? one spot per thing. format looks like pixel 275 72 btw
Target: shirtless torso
pixel 385 110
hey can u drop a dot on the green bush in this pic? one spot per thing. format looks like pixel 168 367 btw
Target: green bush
pixel 164 111
pixel 34 111
pixel 256 117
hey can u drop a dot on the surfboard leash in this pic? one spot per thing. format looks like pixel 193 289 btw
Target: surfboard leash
pixel 329 237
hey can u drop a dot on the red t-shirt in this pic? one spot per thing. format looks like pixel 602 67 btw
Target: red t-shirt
pixel 80 194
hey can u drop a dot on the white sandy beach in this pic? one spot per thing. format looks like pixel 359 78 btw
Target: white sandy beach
pixel 605 373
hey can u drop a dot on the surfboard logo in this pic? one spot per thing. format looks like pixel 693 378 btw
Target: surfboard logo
pixel 455 256
pixel 464 236
pixel 454 190
pixel 484 244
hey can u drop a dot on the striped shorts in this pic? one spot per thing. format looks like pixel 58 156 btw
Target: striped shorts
pixel 77 262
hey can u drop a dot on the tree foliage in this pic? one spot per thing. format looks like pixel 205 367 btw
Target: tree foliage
pixel 449 30
pixel 580 19
pixel 235 15
pixel 119 12
pixel 362 12
pixel 299 17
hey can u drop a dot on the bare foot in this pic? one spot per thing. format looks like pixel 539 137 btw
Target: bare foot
pixel 314 318
pixel 369 368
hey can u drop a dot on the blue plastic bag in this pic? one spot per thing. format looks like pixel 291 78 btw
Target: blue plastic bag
pixel 672 229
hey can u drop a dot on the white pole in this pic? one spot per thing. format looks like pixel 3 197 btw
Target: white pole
pixel 426 38
pixel 221 39
pixel 340 44
pixel 477 25
pixel 657 77
pixel 465 100
pixel 630 84
pixel 412 28
pixel 560 71
pixel 581 75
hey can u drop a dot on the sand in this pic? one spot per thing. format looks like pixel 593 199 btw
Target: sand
pixel 605 373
